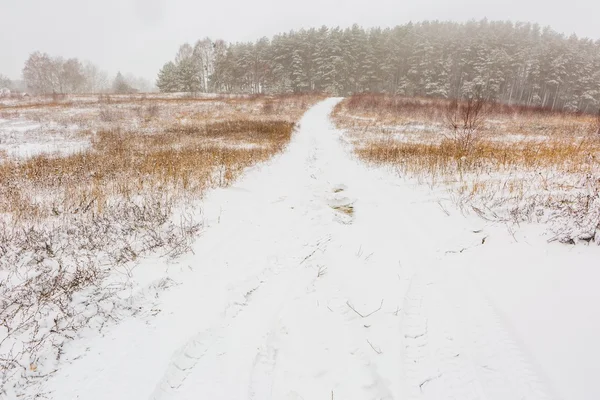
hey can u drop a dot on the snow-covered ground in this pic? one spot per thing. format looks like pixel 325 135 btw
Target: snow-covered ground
pixel 22 138
pixel 318 278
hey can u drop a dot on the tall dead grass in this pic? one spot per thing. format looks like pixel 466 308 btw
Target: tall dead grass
pixel 524 164
pixel 126 164
pixel 447 157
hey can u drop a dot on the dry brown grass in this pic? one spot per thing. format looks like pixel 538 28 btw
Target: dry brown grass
pixel 177 146
pixel 67 221
pixel 347 209
pixel 178 162
pixel 524 164
pixel 153 113
pixel 446 157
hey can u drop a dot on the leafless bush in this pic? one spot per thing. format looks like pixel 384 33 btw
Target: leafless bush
pixel 104 99
pixel 268 107
pixel 57 97
pixel 108 114
pixel 464 119
pixel 578 220
pixel 153 110
pixel 9 114
pixel 429 108
pixel 148 112
pixel 58 262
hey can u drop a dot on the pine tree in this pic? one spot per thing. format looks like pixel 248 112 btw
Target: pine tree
pixel 188 70
pixel 298 76
pixel 514 63
pixel 167 78
pixel 120 85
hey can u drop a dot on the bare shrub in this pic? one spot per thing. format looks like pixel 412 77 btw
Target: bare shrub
pixel 464 119
pixel 268 107
pixel 429 109
pixel 104 99
pixel 152 110
pixel 55 263
pixel 9 114
pixel 108 114
pixel 57 97
pixel 148 112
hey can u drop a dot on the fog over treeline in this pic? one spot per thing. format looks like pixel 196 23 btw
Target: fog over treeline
pixel 516 63
pixel 510 62
pixel 46 74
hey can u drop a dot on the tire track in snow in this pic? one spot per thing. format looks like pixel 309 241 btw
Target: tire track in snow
pixel 455 345
pixel 249 325
pixel 204 346
pixel 434 363
pixel 501 364
pixel 191 353
pixel 265 361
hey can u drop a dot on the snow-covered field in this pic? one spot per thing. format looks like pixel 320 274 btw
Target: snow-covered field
pixel 317 277
pixel 21 138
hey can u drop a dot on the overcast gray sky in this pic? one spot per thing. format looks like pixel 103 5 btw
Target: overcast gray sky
pixel 139 36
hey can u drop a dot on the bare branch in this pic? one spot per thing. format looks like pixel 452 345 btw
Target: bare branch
pixel 361 315
pixel 376 350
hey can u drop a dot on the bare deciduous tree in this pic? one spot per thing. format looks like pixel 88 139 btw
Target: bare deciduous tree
pixel 204 53
pixel 44 75
pixel 95 80
pixel 38 73
pixel 72 76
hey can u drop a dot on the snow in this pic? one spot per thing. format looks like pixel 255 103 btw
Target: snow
pixel 319 278
pixel 549 297
pixel 23 138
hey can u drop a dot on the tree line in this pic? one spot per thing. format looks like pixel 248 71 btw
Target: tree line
pixel 516 63
pixel 44 74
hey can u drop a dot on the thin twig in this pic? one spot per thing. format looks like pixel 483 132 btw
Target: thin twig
pixel 314 251
pixel 378 351
pixel 364 316
pixel 426 381
pixel 322 271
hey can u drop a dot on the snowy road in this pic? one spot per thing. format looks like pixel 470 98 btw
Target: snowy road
pixel 317 279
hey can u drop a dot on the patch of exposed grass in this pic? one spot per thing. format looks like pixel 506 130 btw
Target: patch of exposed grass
pixel 347 209
pixel 523 164
pixel 127 165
